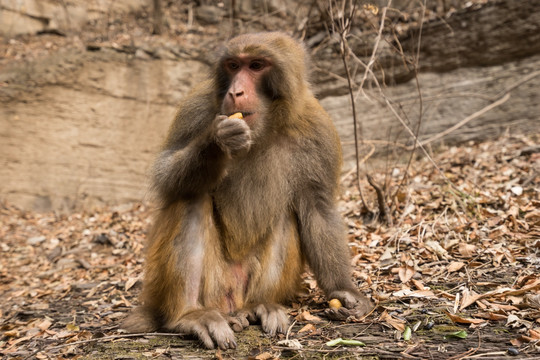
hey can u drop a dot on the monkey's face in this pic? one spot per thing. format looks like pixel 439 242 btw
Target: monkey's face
pixel 244 93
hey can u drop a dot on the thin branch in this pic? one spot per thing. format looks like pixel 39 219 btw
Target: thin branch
pixel 484 110
pixel 376 46
pixel 420 104
pixel 467 119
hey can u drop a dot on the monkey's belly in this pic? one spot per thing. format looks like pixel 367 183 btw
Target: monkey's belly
pixel 254 281
pixel 235 289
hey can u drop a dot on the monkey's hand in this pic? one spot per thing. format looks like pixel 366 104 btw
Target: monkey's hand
pixel 354 304
pixel 232 135
pixel 210 326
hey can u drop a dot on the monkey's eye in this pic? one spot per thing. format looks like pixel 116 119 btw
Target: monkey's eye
pixel 232 65
pixel 256 65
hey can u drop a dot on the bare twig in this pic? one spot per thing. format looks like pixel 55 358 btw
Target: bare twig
pixel 467 119
pixel 376 46
pixel 344 28
pixel 381 200
pixel 420 104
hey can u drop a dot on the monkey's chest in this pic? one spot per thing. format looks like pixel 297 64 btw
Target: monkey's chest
pixel 247 207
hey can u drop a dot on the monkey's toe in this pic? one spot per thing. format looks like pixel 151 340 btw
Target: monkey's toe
pixel 238 322
pixel 210 326
pixel 273 318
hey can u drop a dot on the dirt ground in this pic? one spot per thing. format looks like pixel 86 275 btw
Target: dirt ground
pixel 455 277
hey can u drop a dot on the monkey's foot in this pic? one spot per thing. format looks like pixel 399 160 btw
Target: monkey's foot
pixel 272 317
pixel 210 326
pixel 139 320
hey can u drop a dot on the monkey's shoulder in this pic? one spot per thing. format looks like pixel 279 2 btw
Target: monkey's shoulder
pixel 195 112
pixel 200 99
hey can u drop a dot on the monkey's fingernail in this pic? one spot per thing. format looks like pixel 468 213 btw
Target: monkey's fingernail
pixel 237 115
pixel 334 304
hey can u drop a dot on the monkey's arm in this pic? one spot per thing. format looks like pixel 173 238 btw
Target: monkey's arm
pixel 197 148
pixel 323 243
pixel 188 171
pixel 321 228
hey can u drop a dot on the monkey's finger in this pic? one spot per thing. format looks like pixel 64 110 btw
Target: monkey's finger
pixel 261 312
pixel 347 298
pixel 233 123
pixel 363 306
pixel 273 318
pixel 340 314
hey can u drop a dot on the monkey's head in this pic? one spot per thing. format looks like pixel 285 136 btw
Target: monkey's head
pixel 261 74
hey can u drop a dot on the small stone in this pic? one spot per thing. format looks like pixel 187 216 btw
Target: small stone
pixel 36 240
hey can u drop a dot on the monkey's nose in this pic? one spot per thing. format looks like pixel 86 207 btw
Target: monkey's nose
pixel 238 93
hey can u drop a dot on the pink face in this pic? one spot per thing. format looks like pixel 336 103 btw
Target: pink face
pixel 245 73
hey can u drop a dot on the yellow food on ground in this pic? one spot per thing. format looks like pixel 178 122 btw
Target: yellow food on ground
pixel 334 304
pixel 237 115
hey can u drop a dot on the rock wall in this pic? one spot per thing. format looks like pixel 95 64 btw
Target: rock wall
pixel 81 129
pixel 81 126
pixel 85 133
pixel 447 99
pixel 35 16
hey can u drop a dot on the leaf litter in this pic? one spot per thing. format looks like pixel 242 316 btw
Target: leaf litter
pixel 458 274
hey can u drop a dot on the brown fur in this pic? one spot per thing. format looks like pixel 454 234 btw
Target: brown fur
pixel 234 232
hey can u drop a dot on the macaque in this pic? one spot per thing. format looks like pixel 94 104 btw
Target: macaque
pixel 246 201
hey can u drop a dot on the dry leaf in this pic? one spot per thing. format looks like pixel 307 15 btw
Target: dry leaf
pixel 44 325
pixel 469 297
pixel 395 323
pixel 291 343
pixel 467 250
pixel 130 282
pixel 535 333
pixel 463 320
pixel 437 248
pixel 308 328
pixel 419 285
pixel 306 316
pixel 264 356
pixel 406 273
pixel 455 266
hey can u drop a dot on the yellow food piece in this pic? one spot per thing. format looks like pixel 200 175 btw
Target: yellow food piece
pixel 237 115
pixel 334 304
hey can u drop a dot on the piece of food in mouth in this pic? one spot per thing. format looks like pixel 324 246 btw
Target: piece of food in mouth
pixel 237 115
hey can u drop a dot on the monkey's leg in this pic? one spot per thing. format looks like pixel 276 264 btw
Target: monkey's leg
pixel 196 268
pixel 278 278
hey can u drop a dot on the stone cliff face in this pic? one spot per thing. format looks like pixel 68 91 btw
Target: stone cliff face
pixel 81 125
pixel 83 128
